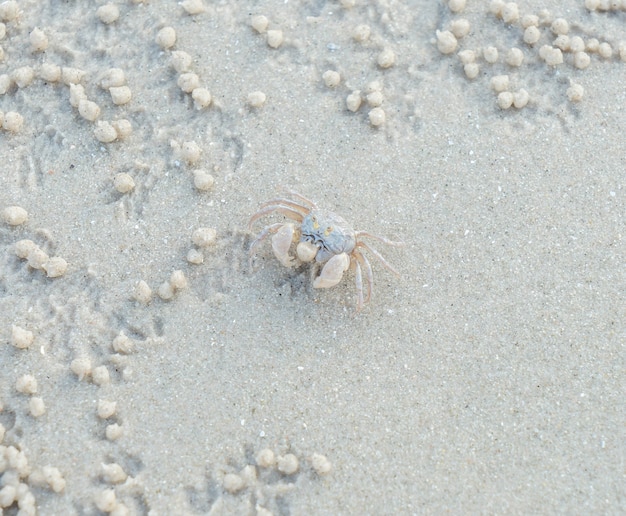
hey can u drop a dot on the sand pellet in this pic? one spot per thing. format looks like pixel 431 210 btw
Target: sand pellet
pixel 9 10
pixel 50 72
pixel 456 6
pixel 113 432
pixel 288 464
pixel 202 180
pixel 520 98
pixel 510 12
pixel 106 408
pixel 490 54
pixel 120 95
pixel 256 99
pixel 122 127
pixel 123 182
pixel 576 44
pixel 275 38
pixel 100 375
pixel 113 473
pixel 5 83
pixel 581 60
pixel 233 483
pixel 320 464
pixel 142 292
pixel 605 50
pixel 38 40
pixel 505 100
pixel 108 13
pixel 37 258
pixel 201 98
pixel 165 291
pixel 471 70
pixel 81 367
pixel 21 338
pixel 467 56
pixel 181 61
pixel 89 110
pixel 23 248
pixel 188 82
pixel 259 23
pixel 77 94
pixel 178 280
pixel 113 77
pixel 575 93
pixel 105 132
pixel 265 458
pixel 331 78
pixel 387 58
pixel 190 152
pixel 460 28
pixel 26 384
pixel 562 42
pixel 36 407
pixel 23 76
pixel 446 42
pixel 499 83
pixel 13 122
pixel 105 500
pixel 195 257
pixel 361 33
pixel 531 35
pixel 123 344
pixel 55 267
pixel 71 75
pixel 166 38
pixel 204 237
pixel 193 7
pixel 353 101
pixel 377 117
pixel 560 26
pixel 375 98
pixel 515 57
pixel 14 215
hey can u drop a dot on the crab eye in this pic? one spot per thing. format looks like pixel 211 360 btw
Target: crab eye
pixel 316 224
pixel 328 231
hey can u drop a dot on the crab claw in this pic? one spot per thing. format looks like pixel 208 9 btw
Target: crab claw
pixel 332 271
pixel 281 243
pixel 307 251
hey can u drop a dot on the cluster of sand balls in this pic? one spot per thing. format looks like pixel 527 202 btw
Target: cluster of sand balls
pixel 190 152
pixel 113 80
pixel 535 29
pixel 372 95
pixel 38 259
pixel 181 61
pixel 106 499
pixel 605 5
pixel 266 462
pixel 17 477
pixel 202 238
pixel 166 290
pixel 22 338
pixel 273 37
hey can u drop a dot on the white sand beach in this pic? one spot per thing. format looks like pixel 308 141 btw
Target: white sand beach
pixel 147 367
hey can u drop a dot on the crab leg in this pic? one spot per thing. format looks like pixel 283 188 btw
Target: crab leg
pixel 262 236
pixel 379 238
pixel 359 285
pixel 301 197
pixel 378 255
pixel 369 275
pixel 289 203
pixel 285 210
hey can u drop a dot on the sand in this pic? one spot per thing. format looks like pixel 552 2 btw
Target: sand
pixel 488 378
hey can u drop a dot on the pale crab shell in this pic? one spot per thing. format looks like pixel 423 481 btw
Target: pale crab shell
pixel 333 271
pixel 281 243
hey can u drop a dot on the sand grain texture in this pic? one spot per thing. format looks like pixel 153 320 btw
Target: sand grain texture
pixel 488 378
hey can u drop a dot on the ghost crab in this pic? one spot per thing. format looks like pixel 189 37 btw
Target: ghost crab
pixel 323 237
